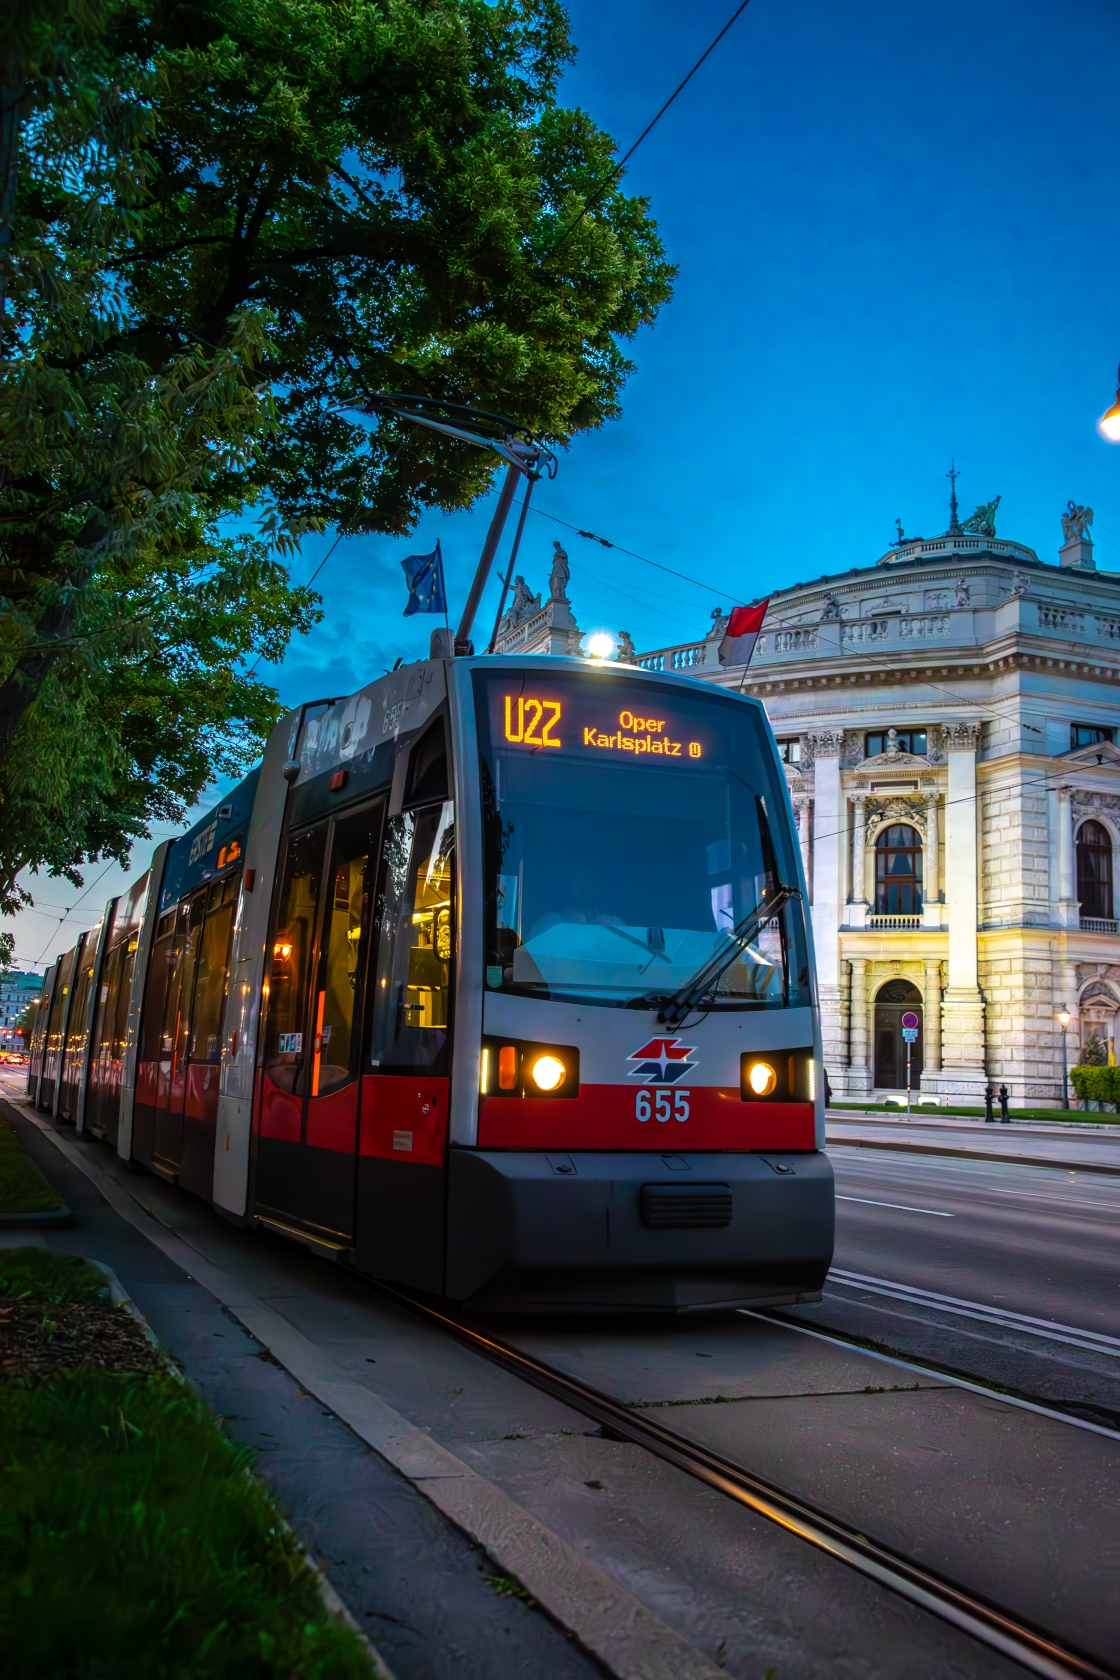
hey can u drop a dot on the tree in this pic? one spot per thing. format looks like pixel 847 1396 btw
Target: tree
pixel 127 611
pixel 1093 1052
pixel 396 182
pixel 229 222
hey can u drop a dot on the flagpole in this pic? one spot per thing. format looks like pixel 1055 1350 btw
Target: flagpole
pixel 443 592
pixel 512 561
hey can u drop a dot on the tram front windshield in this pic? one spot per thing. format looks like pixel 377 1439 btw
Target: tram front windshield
pixel 630 826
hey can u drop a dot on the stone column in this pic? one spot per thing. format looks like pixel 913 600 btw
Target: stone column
pixel 828 821
pixel 963 1070
pixel 1068 908
pixel 857 913
pixel 931 887
pixel 931 1020
pixel 859 1079
pixel 801 812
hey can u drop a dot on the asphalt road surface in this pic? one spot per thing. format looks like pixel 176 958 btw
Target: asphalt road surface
pixel 1000 1242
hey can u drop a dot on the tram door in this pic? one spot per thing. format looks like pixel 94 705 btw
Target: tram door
pixel 178 949
pixel 310 1080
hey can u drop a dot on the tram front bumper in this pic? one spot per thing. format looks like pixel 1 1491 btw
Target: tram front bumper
pixel 533 1230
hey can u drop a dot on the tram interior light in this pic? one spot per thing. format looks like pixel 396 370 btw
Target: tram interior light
pixel 548 1072
pixel 761 1078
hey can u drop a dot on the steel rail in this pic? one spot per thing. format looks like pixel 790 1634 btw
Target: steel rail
pixel 1034 1649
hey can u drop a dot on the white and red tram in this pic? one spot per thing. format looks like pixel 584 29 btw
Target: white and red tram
pixel 493 980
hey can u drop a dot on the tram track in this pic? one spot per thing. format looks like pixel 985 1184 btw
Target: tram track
pixel 1033 1647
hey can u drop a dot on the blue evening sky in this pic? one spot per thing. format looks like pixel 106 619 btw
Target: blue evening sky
pixel 898 234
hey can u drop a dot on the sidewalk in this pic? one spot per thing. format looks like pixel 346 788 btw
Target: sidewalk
pixel 1071 1148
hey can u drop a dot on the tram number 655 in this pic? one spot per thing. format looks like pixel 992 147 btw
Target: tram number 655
pixel 661 1108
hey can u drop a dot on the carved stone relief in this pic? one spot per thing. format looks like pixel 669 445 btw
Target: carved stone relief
pixel 961 737
pixel 827 743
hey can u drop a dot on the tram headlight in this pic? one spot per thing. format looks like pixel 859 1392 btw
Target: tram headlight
pixel 762 1078
pixel 548 1073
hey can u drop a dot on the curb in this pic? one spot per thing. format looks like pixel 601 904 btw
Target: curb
pixel 16 1221
pixel 610 1623
pixel 904 1148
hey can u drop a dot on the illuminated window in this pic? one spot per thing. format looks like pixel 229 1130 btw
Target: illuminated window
pixel 905 740
pixel 1094 870
pixel 898 871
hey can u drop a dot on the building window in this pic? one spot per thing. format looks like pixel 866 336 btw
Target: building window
pixel 906 740
pixel 1094 870
pixel 898 871
pixel 1088 735
pixel 789 751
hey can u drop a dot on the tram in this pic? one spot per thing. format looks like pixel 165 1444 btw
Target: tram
pixel 493 980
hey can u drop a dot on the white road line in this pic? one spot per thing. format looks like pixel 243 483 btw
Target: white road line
pixel 900 1206
pixel 1050 1329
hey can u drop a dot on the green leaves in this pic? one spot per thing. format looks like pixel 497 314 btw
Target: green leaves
pixel 230 221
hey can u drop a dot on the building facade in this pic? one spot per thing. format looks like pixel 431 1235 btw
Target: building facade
pixel 17 990
pixel 949 718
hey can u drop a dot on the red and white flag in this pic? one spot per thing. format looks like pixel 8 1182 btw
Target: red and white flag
pixel 742 633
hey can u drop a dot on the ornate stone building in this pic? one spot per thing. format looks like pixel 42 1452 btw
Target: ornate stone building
pixel 949 717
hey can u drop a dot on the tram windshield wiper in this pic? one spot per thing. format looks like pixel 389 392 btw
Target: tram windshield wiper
pixel 674 1009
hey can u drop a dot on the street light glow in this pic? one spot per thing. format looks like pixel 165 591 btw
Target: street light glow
pixel 1109 423
pixel 1064 1018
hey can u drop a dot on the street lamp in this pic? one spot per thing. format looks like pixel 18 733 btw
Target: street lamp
pixel 1109 423
pixel 1064 1018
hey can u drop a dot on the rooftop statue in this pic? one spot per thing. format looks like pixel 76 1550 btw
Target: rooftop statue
pixel 524 602
pixel 831 608
pixel 558 581
pixel 983 521
pixel 1076 522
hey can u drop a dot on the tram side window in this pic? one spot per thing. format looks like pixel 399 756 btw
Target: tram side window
pixel 287 1038
pixel 159 980
pixel 346 917
pixel 412 983
pixel 210 980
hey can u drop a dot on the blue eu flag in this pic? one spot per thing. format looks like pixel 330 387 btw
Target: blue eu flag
pixel 424 573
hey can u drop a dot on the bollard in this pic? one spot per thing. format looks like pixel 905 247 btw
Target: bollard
pixel 1005 1118
pixel 989 1097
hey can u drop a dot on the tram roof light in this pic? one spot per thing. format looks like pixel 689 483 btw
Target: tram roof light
pixel 1109 423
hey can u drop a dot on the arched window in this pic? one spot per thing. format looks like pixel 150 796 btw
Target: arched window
pixel 1094 870
pixel 898 871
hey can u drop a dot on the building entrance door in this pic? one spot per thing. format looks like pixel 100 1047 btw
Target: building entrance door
pixel 891 1004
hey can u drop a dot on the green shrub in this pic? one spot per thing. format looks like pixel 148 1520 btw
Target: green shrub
pixel 1096 1084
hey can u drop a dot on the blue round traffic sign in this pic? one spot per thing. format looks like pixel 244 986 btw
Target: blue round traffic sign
pixel 909 1019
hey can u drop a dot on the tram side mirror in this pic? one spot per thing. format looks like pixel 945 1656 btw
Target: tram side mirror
pixel 427 767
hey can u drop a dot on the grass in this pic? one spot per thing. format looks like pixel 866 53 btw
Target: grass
pixel 1076 1116
pixel 23 1189
pixel 133 1540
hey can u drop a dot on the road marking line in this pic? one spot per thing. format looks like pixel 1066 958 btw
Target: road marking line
pixel 1003 1316
pixel 899 1206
